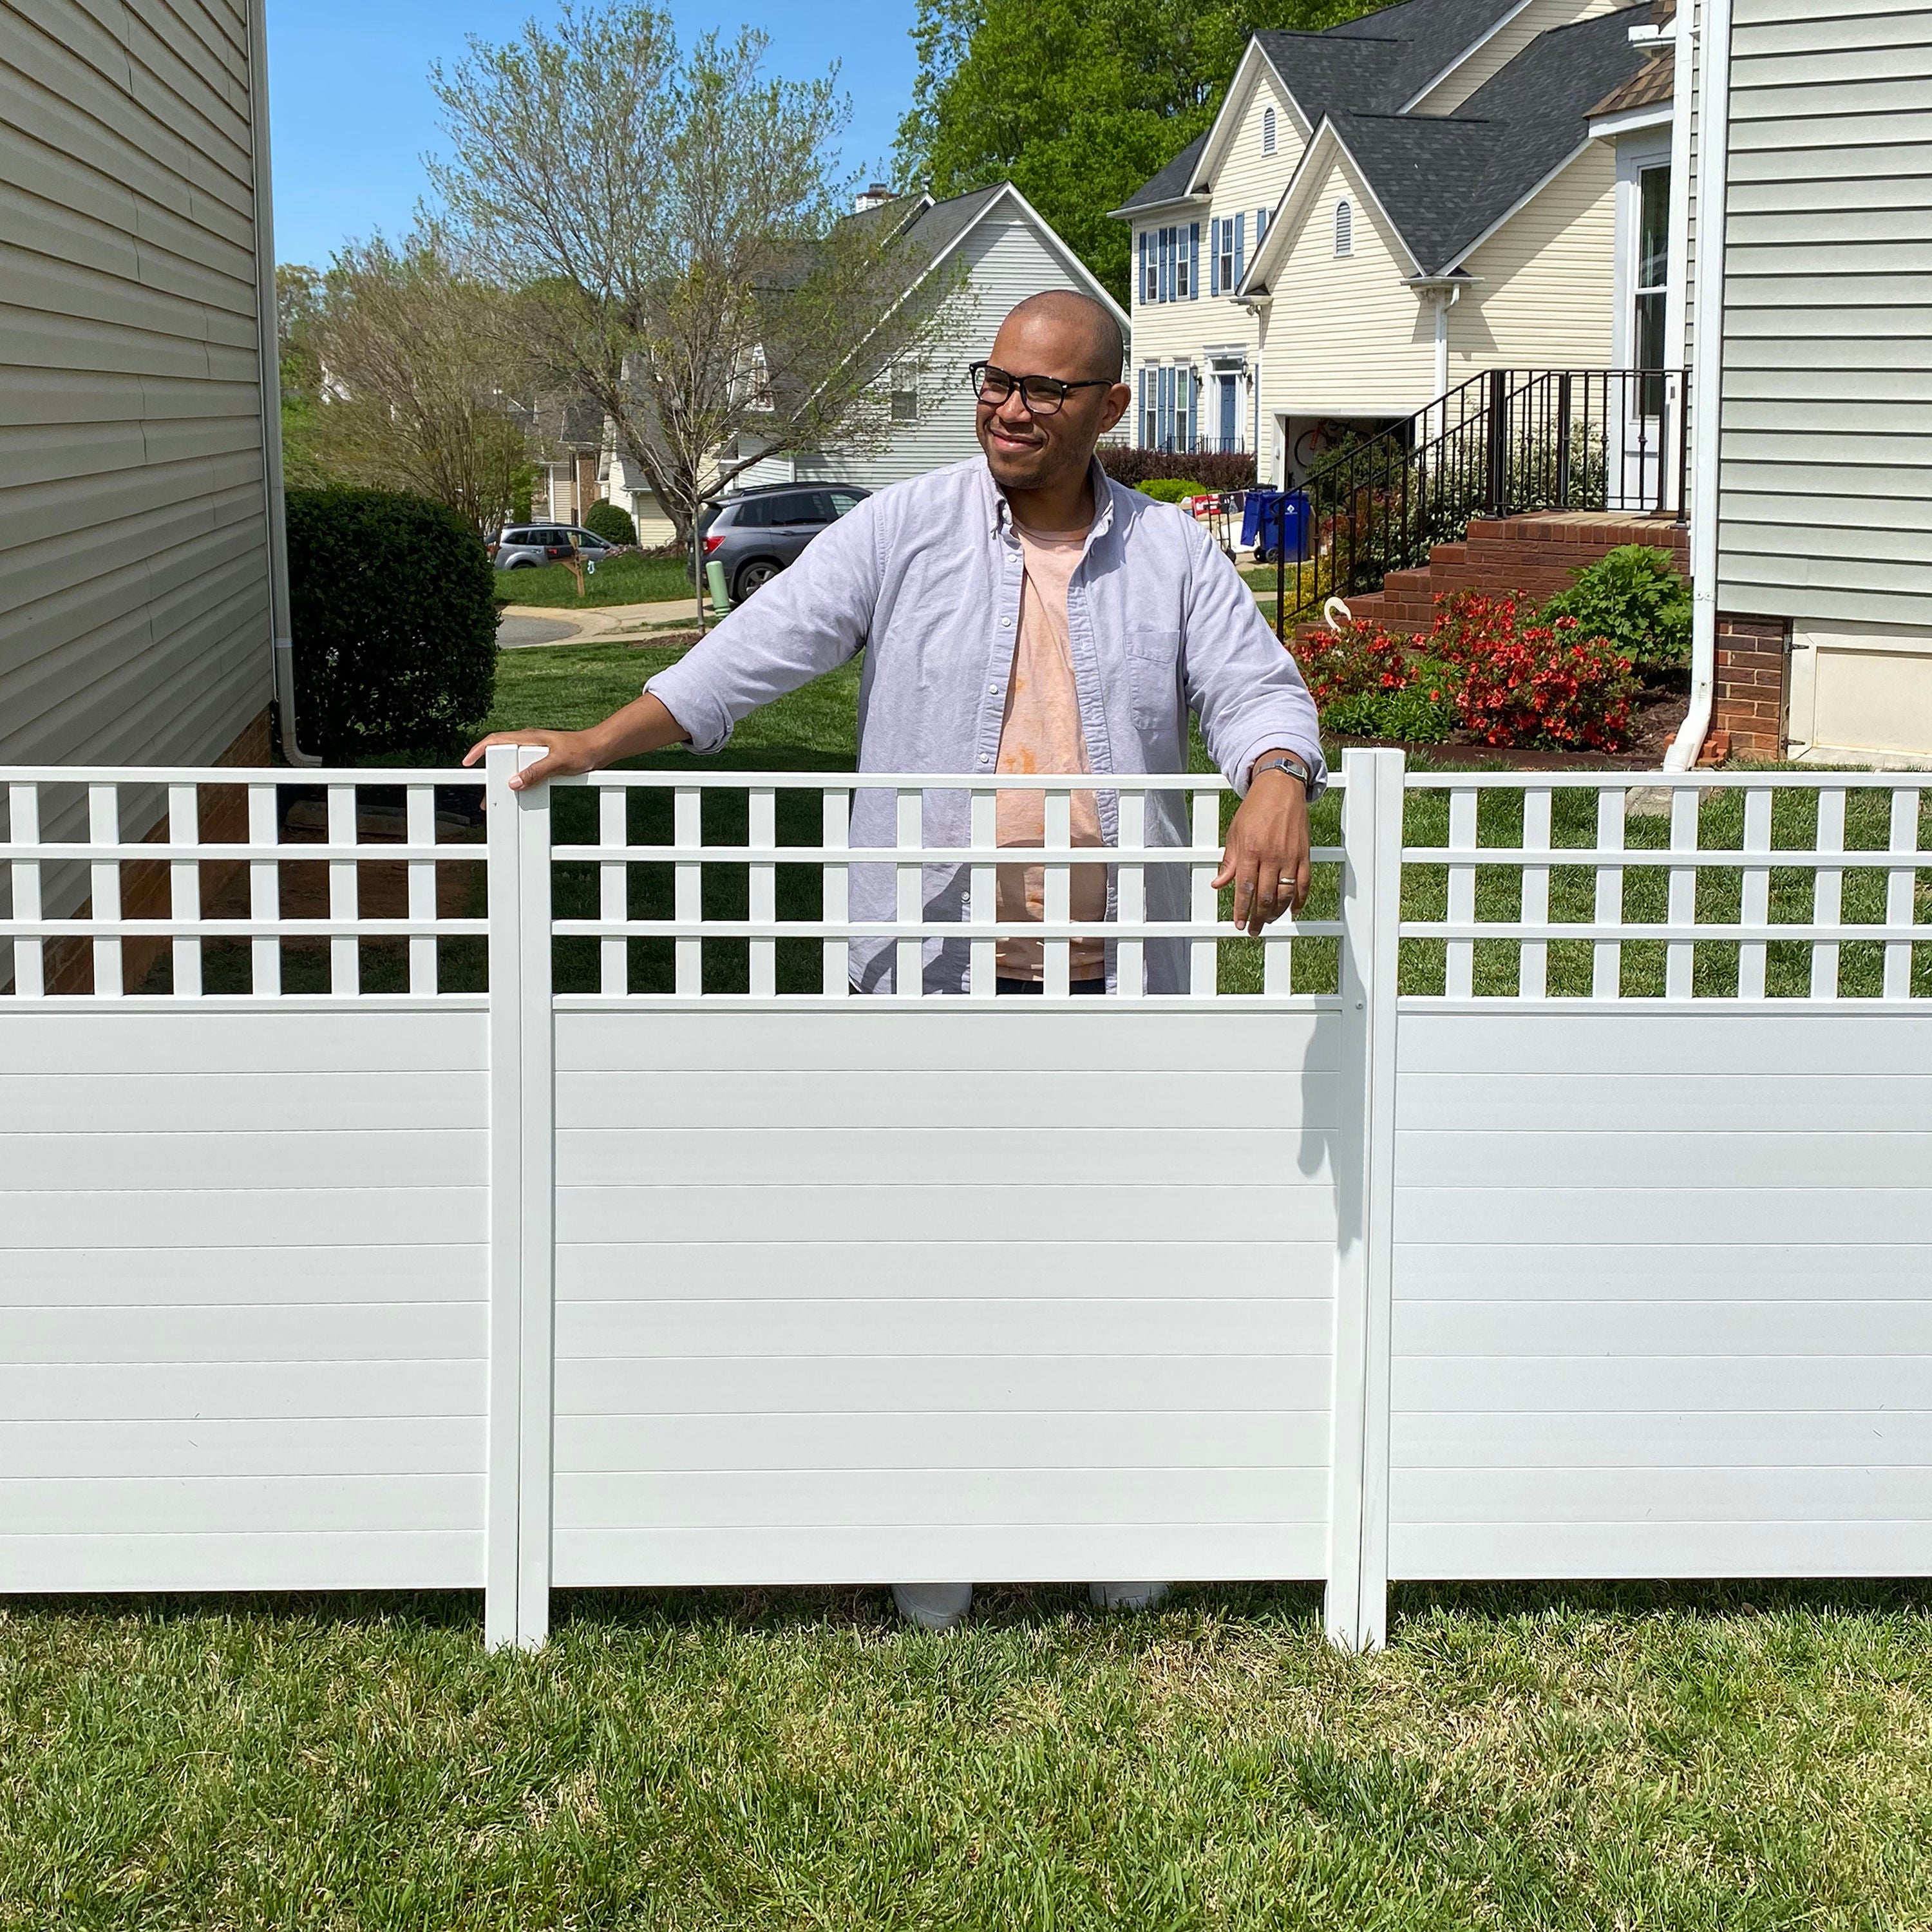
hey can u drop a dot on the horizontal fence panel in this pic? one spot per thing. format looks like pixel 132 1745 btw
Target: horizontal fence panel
pixel 1855 1439
pixel 1665 1212
pixel 1793 1493
pixel 256 1218
pixel 1734 1271
pixel 135 1392
pixel 217 1103
pixel 943 1035
pixel 1710 1043
pixel 1206 1322
pixel 1818 1103
pixel 832 1100
pixel 1070 1384
pixel 416 1559
pixel 237 1276
pixel 263 1158
pixel 1505 1552
pixel 195 1038
pixel 938 1268
pixel 339 1331
pixel 240 1504
pixel 1095 1154
pixel 854 1212
pixel 1165 1438
pixel 1072 1551
pixel 1631 1328
pixel 1112 1490
pixel 1778 1152
pixel 363 1445
pixel 1468 1384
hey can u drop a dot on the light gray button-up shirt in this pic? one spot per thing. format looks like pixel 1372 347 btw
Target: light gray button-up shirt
pixel 925 577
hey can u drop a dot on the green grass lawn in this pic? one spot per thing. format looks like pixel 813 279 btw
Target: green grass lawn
pixel 623 580
pixel 1518 1759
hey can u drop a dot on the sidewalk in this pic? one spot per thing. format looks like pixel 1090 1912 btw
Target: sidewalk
pixel 534 624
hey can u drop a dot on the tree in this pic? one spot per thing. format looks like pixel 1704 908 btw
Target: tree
pixel 419 376
pixel 685 260
pixel 298 303
pixel 1077 103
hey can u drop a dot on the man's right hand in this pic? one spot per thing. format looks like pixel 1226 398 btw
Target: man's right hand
pixel 569 753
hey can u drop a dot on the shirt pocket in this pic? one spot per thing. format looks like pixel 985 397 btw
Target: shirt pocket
pixel 1153 672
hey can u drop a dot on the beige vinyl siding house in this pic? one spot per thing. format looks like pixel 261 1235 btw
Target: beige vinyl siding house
pixel 1543 293
pixel 1824 517
pixel 137 618
pixel 1346 338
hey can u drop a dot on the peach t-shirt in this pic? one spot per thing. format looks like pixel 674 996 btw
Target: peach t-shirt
pixel 1042 732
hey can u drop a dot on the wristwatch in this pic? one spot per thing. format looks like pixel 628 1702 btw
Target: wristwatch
pixel 1292 765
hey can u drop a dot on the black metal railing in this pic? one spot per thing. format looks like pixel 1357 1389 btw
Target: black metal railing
pixel 1506 441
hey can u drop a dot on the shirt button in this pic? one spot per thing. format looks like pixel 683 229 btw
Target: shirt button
pixel 985 758
pixel 994 689
pixel 1006 623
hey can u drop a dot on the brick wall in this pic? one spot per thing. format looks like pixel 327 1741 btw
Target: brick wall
pixel 1539 554
pixel 1747 704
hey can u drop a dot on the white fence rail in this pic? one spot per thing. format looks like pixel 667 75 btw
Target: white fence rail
pixel 401 1192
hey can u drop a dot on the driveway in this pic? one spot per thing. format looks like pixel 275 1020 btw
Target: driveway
pixel 516 634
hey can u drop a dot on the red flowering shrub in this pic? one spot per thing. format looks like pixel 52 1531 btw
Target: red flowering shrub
pixel 1532 684
pixel 1510 682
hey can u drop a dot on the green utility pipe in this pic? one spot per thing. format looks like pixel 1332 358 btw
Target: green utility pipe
pixel 714 575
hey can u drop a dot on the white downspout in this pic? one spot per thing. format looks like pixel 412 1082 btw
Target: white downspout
pixel 1707 370
pixel 1444 297
pixel 269 337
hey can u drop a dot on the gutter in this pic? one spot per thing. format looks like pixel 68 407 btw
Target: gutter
pixel 268 340
pixel 1707 370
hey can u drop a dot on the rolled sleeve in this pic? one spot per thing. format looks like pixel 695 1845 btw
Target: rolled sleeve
pixel 807 620
pixel 1247 689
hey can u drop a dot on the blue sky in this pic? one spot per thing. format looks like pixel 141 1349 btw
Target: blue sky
pixel 351 114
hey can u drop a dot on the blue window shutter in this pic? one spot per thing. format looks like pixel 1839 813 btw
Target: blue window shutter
pixel 1194 261
pixel 1214 256
pixel 1141 286
pixel 1261 225
pixel 1240 248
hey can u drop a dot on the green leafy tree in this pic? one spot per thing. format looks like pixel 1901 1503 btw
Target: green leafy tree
pixel 1077 104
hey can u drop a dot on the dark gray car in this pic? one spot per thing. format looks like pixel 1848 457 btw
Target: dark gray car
pixel 530 546
pixel 756 535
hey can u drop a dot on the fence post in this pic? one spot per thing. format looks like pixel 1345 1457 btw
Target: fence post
pixel 522 1193
pixel 1563 439
pixel 1356 1612
pixel 1496 442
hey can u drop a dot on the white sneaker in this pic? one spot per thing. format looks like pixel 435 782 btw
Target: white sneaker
pixel 1126 1596
pixel 934 1607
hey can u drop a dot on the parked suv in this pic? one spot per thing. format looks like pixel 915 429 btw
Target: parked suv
pixel 755 535
pixel 524 546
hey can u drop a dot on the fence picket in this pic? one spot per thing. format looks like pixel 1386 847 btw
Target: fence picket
pixel 103 827
pixel 1057 897
pixel 835 829
pixel 185 889
pixel 763 892
pixel 1130 898
pixel 1754 893
pixel 1532 967
pixel 909 834
pixel 23 828
pixel 345 973
pixel 1898 893
pixel 1606 956
pixel 1828 893
pixel 419 829
pixel 1679 955
pixel 1204 955
pixel 688 838
pixel 1459 969
pixel 613 889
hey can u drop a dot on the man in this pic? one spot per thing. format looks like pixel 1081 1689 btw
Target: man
pixel 1021 614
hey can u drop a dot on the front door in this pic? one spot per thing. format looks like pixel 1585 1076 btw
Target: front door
pixel 1227 432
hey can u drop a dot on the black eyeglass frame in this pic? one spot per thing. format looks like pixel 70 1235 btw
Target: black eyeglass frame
pixel 977 372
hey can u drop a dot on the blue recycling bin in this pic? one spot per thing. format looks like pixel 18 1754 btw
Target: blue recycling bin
pixel 1276 519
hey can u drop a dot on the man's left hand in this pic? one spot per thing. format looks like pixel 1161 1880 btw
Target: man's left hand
pixel 1266 860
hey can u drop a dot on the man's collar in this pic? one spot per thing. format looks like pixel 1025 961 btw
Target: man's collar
pixel 1002 511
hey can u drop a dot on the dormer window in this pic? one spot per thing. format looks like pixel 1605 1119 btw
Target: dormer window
pixel 1268 130
pixel 1344 228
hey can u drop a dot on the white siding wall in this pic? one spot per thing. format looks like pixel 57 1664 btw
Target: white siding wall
pixel 1545 299
pixel 1005 259
pixel 134 608
pixel 1344 336
pixel 1825 508
pixel 1495 53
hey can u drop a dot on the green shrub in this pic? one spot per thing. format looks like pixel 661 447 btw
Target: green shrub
pixel 394 609
pixel 1218 469
pixel 1170 489
pixel 1422 712
pixel 1633 598
pixel 610 521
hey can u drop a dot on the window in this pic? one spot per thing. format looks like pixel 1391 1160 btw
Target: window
pixel 1268 131
pixel 1150 411
pixel 1345 228
pixel 1150 292
pixel 1182 264
pixel 905 395
pixel 1651 281
pixel 1225 255
pixel 843 500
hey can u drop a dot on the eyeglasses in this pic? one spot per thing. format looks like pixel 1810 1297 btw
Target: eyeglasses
pixel 1043 395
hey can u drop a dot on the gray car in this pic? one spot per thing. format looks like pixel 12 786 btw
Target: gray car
pixel 754 535
pixel 527 546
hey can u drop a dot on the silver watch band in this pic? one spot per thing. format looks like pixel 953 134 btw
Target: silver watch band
pixel 1293 766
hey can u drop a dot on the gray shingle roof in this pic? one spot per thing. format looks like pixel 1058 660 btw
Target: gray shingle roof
pixel 1171 184
pixel 1446 180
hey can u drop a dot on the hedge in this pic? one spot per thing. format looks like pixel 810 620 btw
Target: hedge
pixel 394 609
pixel 610 521
pixel 1231 469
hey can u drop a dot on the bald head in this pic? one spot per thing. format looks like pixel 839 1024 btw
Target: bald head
pixel 1085 327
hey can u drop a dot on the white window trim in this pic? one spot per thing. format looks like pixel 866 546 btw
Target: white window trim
pixel 1634 154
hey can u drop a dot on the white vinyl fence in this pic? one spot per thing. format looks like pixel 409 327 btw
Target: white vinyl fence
pixel 404 1192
